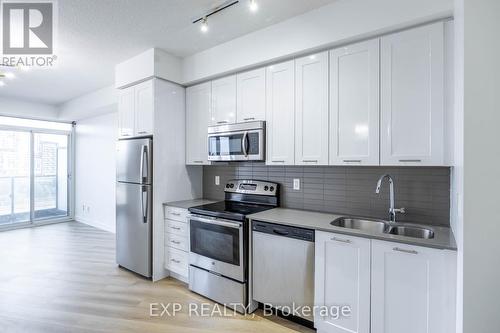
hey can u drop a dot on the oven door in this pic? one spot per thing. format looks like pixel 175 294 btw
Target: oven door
pixel 217 245
pixel 236 146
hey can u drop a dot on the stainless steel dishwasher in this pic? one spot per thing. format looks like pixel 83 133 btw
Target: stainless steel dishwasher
pixel 283 266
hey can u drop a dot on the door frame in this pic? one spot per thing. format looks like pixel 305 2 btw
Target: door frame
pixel 70 177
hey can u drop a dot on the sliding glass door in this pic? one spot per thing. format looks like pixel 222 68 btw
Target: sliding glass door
pixel 35 169
pixel 50 175
pixel 15 166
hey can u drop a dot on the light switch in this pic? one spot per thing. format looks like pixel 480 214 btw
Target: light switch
pixel 296 184
pixel 217 180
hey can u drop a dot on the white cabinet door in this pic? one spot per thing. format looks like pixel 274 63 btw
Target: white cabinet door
pixel 411 289
pixel 224 101
pixel 144 108
pixel 280 114
pixel 311 116
pixel 412 102
pixel 126 112
pixel 342 278
pixel 251 95
pixel 354 104
pixel 197 121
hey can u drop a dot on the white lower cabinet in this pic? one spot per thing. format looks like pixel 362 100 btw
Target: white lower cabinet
pixel 412 289
pixel 177 241
pixel 389 287
pixel 342 278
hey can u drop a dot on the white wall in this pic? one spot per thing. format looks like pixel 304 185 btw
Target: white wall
pixel 18 108
pixel 95 171
pixel 340 22
pixel 95 103
pixel 481 243
pixel 457 171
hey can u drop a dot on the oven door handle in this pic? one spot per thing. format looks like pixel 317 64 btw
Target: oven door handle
pixel 223 223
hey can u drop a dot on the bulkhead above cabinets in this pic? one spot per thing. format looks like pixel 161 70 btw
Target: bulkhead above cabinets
pixel 376 102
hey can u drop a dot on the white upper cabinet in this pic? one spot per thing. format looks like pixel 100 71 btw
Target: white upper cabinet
pixel 251 95
pixel 412 101
pixel 342 277
pixel 412 289
pixel 126 112
pixel 224 101
pixel 280 114
pixel 311 116
pixel 198 104
pixel 354 104
pixel 136 110
pixel 144 106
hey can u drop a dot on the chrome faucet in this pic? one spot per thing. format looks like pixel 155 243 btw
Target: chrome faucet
pixel 392 210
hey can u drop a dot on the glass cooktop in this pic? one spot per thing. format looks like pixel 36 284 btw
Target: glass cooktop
pixel 229 209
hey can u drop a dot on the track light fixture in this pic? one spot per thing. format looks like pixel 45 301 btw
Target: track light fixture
pixel 253 5
pixel 203 19
pixel 204 25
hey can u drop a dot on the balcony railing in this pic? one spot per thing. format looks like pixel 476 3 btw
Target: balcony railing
pixel 15 197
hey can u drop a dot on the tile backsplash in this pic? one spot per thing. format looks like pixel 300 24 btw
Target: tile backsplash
pixel 423 191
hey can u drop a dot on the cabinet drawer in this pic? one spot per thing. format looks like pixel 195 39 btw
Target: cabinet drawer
pixel 177 241
pixel 176 228
pixel 176 261
pixel 177 214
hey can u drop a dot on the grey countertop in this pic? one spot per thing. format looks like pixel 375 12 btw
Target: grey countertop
pixel 443 236
pixel 188 203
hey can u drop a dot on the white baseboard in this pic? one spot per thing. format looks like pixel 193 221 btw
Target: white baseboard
pixel 95 224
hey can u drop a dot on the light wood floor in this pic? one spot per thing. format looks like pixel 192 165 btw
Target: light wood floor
pixel 63 278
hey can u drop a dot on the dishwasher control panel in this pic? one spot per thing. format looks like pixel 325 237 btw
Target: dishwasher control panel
pixel 283 230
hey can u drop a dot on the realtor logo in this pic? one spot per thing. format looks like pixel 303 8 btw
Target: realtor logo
pixel 28 27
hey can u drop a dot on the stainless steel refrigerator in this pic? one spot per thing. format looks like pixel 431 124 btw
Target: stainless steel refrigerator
pixel 134 194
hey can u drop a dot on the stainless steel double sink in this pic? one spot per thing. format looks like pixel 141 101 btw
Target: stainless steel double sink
pixel 384 227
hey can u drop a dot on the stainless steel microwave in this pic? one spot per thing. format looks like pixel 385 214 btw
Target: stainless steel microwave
pixel 237 142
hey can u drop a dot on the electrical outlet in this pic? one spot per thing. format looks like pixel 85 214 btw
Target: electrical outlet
pixel 296 184
pixel 217 180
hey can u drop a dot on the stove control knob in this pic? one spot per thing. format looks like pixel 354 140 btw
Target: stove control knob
pixel 266 188
pixel 271 189
pixel 227 185
pixel 231 185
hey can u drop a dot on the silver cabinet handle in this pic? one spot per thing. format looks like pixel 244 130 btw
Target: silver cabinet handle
pixel 414 161
pixel 316 161
pixel 175 228
pixel 278 161
pixel 176 261
pixel 176 214
pixel 352 161
pixel 198 162
pixel 249 118
pixel 125 134
pixel 175 242
pixel 405 251
pixel 142 132
pixel 222 122
pixel 348 241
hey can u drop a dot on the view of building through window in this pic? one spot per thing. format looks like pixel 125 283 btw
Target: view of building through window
pixel 49 153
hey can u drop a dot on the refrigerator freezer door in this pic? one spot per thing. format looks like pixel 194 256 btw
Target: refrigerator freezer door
pixel 134 227
pixel 134 161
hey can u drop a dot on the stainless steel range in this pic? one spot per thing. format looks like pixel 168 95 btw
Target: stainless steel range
pixel 219 236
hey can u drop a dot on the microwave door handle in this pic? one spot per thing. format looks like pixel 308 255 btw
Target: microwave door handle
pixel 244 144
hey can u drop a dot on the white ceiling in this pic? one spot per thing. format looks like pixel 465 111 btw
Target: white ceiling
pixel 94 35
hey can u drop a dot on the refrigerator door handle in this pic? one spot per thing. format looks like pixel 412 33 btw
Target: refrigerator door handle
pixel 144 207
pixel 144 158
